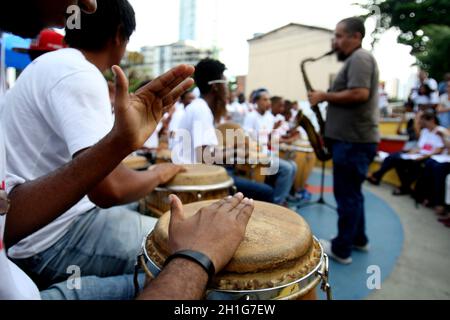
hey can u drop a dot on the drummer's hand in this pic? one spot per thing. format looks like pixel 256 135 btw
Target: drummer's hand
pixel 167 171
pixel 216 231
pixel 137 115
pixel 316 97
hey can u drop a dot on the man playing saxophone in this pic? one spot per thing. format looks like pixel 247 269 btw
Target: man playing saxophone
pixel 352 132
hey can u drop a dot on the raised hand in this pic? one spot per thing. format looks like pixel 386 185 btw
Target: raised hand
pixel 137 115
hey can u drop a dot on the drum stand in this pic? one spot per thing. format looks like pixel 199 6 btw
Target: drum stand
pixel 321 201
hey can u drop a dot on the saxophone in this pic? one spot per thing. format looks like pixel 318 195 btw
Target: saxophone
pixel 316 139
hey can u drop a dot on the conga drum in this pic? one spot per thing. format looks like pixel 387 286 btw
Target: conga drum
pixel 303 155
pixel 199 183
pixel 136 162
pixel 279 258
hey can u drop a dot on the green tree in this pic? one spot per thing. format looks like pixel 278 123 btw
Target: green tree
pixel 423 24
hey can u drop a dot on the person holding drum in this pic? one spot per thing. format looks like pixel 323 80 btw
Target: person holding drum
pixel 197 139
pixel 93 165
pixel 45 134
pixel 261 126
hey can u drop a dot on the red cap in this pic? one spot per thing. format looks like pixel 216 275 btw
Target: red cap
pixel 48 40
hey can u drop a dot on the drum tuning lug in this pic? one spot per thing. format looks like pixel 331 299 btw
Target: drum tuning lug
pixel 199 196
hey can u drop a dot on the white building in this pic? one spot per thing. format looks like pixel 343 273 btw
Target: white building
pixel 275 59
pixel 162 58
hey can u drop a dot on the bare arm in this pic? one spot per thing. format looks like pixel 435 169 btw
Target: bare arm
pixel 216 231
pixel 124 185
pixel 37 203
pixel 351 96
pixel 180 280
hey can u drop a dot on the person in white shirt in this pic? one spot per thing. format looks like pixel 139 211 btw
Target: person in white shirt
pixel 425 98
pixel 181 279
pixel 424 79
pixel 408 164
pixel 197 140
pixel 261 125
pixel 178 115
pixel 60 107
pixel 383 101
pixel 236 110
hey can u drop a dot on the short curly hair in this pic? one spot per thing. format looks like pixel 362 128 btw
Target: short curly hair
pixel 208 70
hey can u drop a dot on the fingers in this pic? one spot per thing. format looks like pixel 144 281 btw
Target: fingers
pixel 232 202
pixel 245 211
pixel 215 206
pixel 169 80
pixel 176 209
pixel 175 94
pixel 121 82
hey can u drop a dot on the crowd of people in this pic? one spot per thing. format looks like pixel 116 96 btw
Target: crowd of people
pixel 424 164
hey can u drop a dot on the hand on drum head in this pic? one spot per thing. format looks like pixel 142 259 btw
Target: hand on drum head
pixel 216 231
pixel 167 171
pixel 137 115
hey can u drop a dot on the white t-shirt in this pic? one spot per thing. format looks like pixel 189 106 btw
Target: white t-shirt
pixel 383 101
pixel 259 127
pixel 14 283
pixel 196 130
pixel 153 141
pixel 430 141
pixel 59 106
pixel 175 122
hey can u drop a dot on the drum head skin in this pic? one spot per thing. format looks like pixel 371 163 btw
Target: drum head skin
pixel 200 175
pixel 278 248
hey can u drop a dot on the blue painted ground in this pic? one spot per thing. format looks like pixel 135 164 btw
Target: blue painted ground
pixel 385 232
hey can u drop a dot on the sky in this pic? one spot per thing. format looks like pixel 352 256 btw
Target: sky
pixel 238 20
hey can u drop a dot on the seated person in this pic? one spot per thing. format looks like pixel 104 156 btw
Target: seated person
pixel 431 187
pixel 410 119
pixel 261 125
pixel 425 98
pixel 407 164
pixel 196 138
pixel 58 110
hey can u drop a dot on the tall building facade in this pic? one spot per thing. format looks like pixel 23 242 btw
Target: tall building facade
pixel 188 20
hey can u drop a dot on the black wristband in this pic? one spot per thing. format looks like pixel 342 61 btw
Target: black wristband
pixel 197 257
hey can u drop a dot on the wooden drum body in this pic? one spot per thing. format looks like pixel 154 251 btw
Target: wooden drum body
pixel 305 158
pixel 279 258
pixel 198 183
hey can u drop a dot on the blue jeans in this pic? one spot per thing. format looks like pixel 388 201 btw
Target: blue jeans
pixel 101 242
pixel 351 164
pixel 252 189
pixel 284 180
pixel 95 288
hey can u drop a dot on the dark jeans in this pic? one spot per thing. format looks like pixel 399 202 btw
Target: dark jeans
pixel 388 164
pixel 351 163
pixel 408 170
pixel 251 189
pixel 432 184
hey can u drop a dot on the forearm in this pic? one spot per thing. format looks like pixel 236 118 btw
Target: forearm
pixel 37 203
pixel 347 97
pixel 180 280
pixel 127 186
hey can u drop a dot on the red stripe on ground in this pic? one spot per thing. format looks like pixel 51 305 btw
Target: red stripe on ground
pixel 316 189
